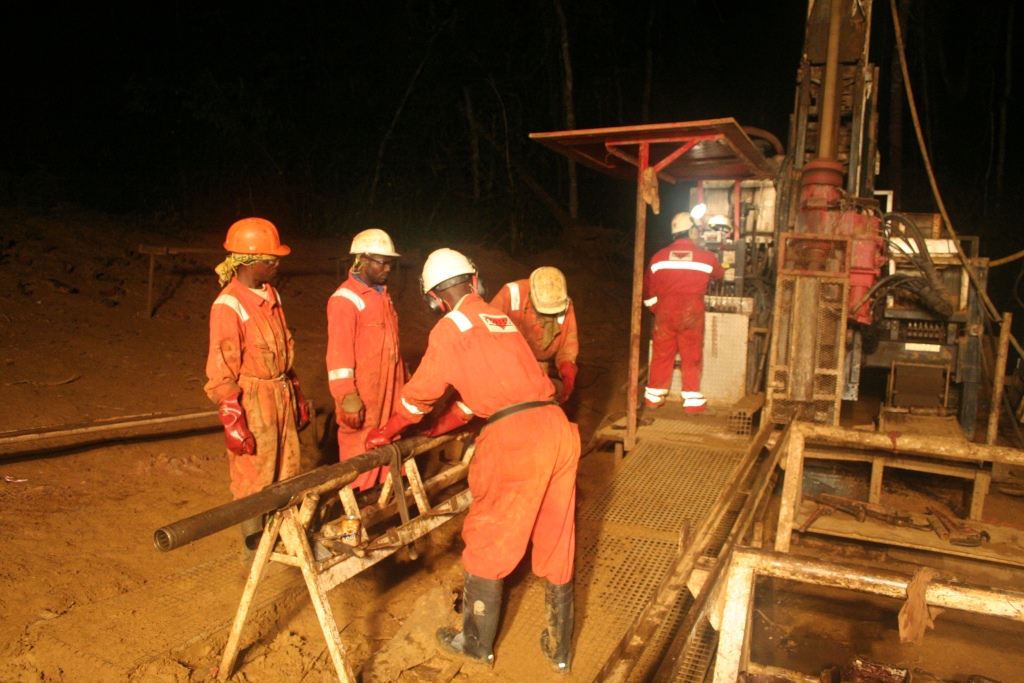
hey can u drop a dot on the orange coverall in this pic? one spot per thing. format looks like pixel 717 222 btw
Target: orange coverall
pixel 251 352
pixel 523 473
pixel 514 300
pixel 675 283
pixel 363 356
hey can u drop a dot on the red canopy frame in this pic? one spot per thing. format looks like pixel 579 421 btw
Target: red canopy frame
pixel 691 151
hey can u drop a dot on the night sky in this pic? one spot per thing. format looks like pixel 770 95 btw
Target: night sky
pixel 198 113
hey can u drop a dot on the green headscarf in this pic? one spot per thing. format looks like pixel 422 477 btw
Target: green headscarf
pixel 227 269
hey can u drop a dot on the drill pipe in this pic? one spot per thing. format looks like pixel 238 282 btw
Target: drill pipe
pixel 280 494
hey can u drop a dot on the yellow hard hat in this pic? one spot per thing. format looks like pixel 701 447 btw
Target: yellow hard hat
pixel 548 291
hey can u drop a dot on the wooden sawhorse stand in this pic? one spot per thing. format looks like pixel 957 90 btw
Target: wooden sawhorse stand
pixel 292 524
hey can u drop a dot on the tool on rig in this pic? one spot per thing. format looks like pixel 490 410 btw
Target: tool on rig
pixel 960 534
pixel 862 510
pixel 818 512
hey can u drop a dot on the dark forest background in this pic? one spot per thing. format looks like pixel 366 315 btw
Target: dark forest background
pixel 327 117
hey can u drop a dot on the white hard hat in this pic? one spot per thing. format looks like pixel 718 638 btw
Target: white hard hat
pixel 681 222
pixel 444 264
pixel 548 291
pixel 373 241
pixel 718 220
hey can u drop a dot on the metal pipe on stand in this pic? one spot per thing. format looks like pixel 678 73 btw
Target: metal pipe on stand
pixel 281 494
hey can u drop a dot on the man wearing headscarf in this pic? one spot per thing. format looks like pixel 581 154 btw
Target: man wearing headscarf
pixel 249 366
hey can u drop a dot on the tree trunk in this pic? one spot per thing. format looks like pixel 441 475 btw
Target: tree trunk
pixel 474 143
pixel 394 121
pixel 1003 106
pixel 570 112
pixel 645 105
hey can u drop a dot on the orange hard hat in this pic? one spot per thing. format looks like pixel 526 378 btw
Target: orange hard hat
pixel 255 236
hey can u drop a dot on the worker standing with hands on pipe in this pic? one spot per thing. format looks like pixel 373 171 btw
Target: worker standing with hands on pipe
pixel 364 364
pixel 523 472
pixel 675 283
pixel 542 310
pixel 249 367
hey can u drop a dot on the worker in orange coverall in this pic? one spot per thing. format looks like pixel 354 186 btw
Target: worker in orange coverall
pixel 675 283
pixel 250 367
pixel 523 472
pixel 542 310
pixel 364 364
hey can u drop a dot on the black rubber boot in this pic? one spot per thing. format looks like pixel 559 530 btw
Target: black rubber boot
pixel 252 532
pixel 559 612
pixel 481 607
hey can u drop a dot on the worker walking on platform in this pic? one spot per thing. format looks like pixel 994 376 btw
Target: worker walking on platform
pixel 675 283
pixel 249 366
pixel 541 309
pixel 523 472
pixel 364 364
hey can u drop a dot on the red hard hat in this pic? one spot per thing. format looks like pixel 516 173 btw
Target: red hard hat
pixel 255 236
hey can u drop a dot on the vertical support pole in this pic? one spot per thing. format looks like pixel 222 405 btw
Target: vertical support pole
pixel 266 546
pixel 877 473
pixel 792 488
pixel 731 640
pixel 978 493
pixel 632 397
pixel 149 287
pixel 829 100
pixel 999 379
pixel 736 211
pixel 295 539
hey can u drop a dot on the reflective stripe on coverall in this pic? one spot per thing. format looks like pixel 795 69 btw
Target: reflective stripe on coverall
pixel 514 300
pixel 675 283
pixel 523 472
pixel 363 356
pixel 251 352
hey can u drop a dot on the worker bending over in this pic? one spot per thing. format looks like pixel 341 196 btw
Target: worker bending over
pixel 675 283
pixel 249 367
pixel 542 310
pixel 523 472
pixel 364 364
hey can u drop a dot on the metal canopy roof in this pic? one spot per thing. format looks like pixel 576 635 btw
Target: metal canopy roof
pixel 715 149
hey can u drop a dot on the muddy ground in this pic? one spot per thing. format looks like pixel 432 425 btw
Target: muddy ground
pixel 76 345
pixel 76 526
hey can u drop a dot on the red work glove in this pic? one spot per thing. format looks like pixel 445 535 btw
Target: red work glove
pixel 351 412
pixel 382 437
pixel 567 371
pixel 300 401
pixel 239 439
pixel 451 418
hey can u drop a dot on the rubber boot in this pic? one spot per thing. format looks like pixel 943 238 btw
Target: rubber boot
pixel 481 607
pixel 252 532
pixel 559 613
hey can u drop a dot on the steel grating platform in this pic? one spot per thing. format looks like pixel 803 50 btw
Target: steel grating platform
pixel 627 539
pixel 94 635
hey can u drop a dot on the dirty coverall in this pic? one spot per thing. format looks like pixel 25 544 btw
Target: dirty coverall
pixel 363 356
pixel 523 473
pixel 675 283
pixel 251 352
pixel 550 337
